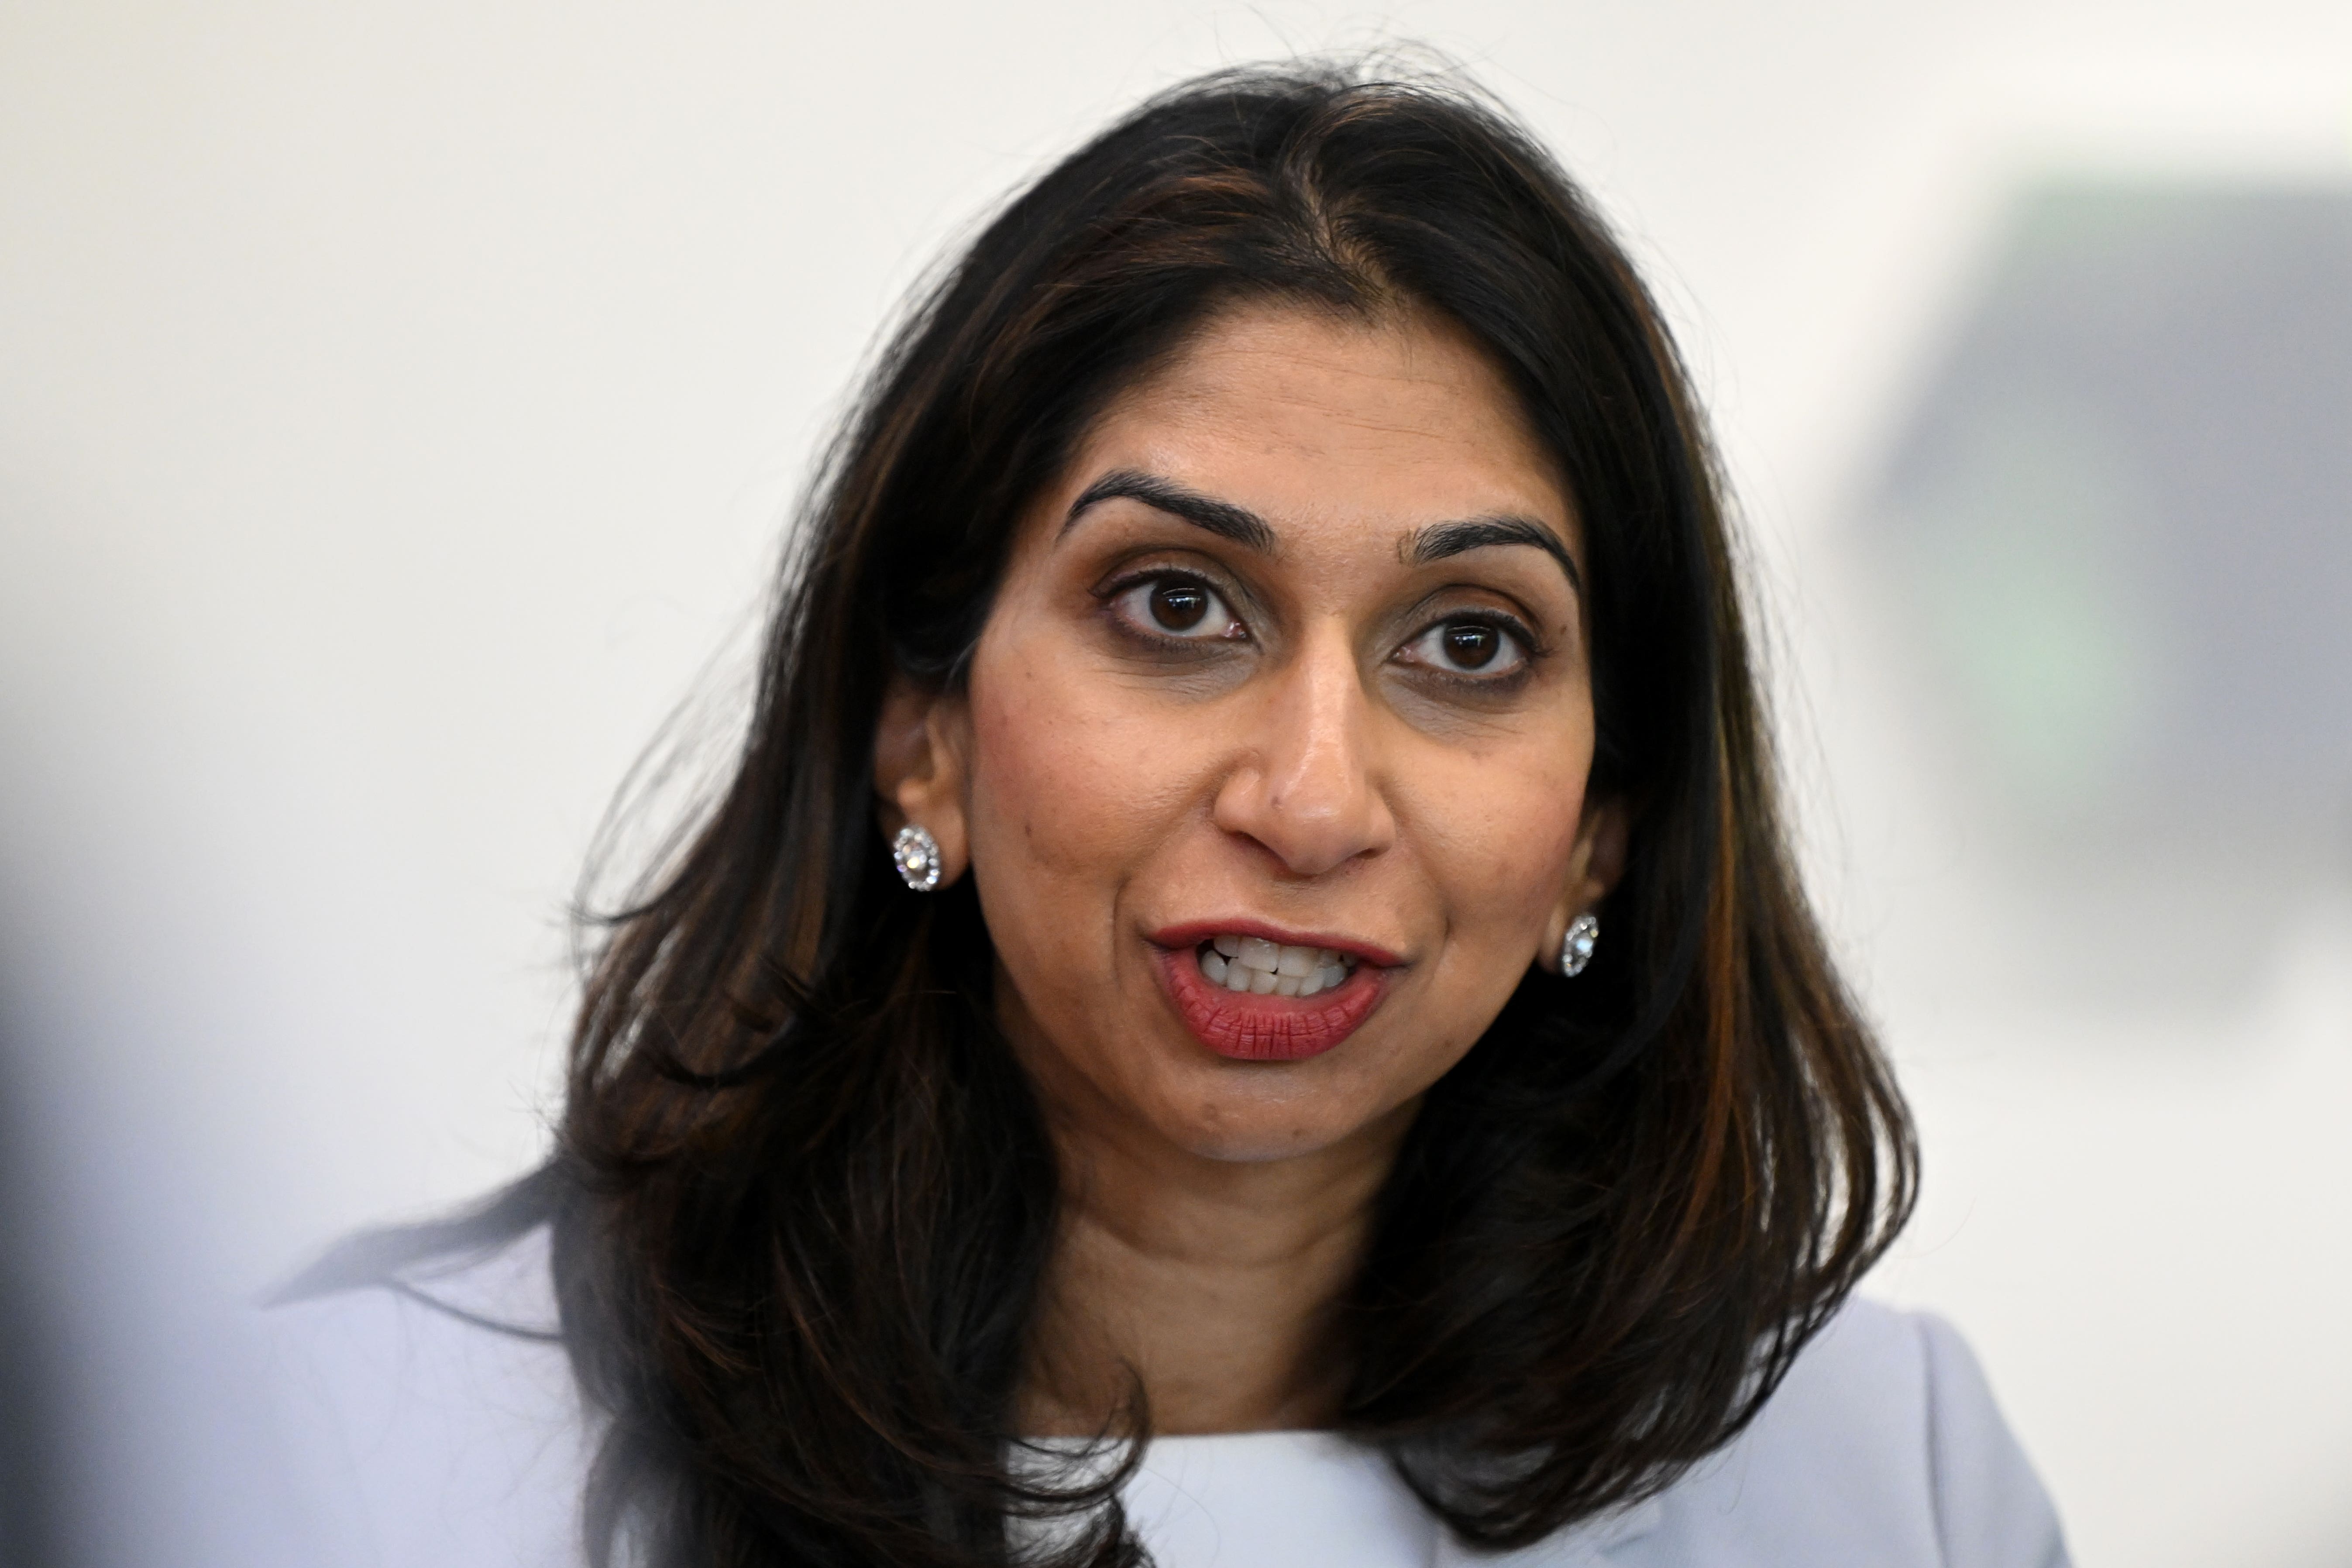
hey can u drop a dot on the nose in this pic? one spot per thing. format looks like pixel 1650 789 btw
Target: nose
pixel 1305 787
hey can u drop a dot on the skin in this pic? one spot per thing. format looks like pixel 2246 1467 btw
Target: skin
pixel 1308 752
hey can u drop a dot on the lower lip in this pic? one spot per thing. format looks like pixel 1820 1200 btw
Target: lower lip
pixel 1249 1027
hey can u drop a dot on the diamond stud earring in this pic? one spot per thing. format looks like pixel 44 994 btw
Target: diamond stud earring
pixel 916 855
pixel 1575 947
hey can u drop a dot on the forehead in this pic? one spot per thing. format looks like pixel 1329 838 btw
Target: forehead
pixel 1311 417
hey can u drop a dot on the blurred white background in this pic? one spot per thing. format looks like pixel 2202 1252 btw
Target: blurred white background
pixel 399 404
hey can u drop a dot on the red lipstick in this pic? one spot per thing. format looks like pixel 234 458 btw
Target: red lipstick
pixel 1248 1026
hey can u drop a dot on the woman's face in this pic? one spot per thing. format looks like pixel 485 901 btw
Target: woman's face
pixel 1271 767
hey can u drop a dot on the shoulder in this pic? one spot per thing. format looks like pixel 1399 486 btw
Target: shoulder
pixel 1882 1449
pixel 433 1418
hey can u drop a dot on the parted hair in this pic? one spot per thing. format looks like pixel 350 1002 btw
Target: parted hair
pixel 804 1196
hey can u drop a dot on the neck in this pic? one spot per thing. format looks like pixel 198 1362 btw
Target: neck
pixel 1212 1283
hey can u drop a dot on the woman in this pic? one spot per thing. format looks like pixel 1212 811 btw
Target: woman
pixel 1245 999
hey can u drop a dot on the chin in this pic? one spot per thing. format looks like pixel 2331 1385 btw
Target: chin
pixel 1244 1129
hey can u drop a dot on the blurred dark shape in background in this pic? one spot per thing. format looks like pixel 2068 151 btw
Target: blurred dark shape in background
pixel 30 1473
pixel 2118 531
pixel 137 1421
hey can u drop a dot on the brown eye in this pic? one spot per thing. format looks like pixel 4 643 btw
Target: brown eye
pixel 1179 607
pixel 1467 647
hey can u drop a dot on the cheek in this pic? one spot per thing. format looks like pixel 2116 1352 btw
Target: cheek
pixel 1500 834
pixel 1071 789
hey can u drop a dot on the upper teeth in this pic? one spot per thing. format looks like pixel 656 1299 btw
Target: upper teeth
pixel 1253 963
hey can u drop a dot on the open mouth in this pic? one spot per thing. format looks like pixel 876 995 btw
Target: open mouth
pixel 1265 968
pixel 1253 999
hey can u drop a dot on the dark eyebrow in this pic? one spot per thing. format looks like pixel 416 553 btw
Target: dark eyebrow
pixel 1221 518
pixel 1441 539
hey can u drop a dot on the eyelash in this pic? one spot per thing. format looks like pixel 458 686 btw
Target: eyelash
pixel 1507 627
pixel 1136 627
pixel 1515 631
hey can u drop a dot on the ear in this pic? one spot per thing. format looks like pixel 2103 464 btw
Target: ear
pixel 920 750
pixel 1594 867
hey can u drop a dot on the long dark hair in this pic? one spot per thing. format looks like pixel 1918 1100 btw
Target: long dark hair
pixel 805 1197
